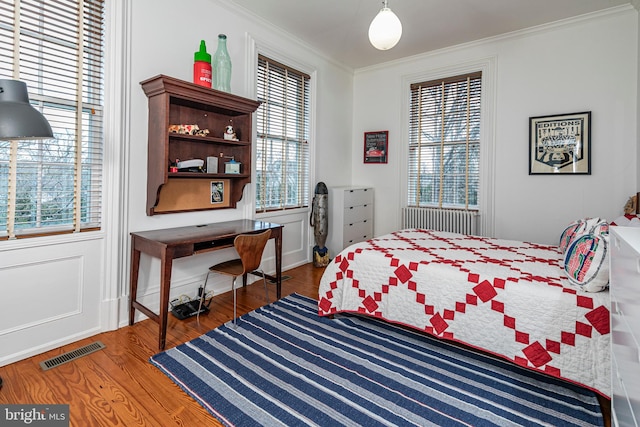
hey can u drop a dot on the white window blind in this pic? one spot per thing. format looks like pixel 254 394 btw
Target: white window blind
pixel 282 152
pixel 56 48
pixel 444 143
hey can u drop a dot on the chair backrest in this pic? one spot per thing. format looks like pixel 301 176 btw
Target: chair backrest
pixel 250 248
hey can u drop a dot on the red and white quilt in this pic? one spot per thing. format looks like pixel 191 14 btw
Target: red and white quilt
pixel 509 298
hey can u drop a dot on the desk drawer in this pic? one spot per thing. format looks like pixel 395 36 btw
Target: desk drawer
pixel 210 246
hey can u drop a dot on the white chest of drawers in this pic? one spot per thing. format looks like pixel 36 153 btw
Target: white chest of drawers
pixel 625 325
pixel 350 217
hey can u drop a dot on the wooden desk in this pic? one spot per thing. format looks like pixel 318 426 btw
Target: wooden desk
pixel 179 242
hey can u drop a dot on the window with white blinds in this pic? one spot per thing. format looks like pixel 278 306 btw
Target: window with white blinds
pixel 444 143
pixel 56 48
pixel 282 152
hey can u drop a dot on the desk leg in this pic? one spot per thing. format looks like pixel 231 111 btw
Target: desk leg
pixel 166 263
pixel 278 243
pixel 133 281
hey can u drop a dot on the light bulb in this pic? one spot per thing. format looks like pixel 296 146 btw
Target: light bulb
pixel 385 29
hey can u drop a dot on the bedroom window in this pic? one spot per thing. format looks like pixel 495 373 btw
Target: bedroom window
pixel 444 143
pixel 282 152
pixel 56 48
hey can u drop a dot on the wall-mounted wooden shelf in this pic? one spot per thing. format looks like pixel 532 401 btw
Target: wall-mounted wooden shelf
pixel 173 102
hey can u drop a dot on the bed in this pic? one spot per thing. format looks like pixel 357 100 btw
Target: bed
pixel 509 298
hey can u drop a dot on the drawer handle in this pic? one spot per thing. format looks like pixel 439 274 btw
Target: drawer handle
pixel 365 220
pixel 350 207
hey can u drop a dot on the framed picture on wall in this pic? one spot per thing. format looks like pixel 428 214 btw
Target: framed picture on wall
pixel 217 192
pixel 376 146
pixel 560 144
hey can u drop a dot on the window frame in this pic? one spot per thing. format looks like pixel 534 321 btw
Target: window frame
pixel 303 141
pixel 486 195
pixel 90 110
pixel 434 118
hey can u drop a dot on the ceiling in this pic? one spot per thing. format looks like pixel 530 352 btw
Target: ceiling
pixel 338 28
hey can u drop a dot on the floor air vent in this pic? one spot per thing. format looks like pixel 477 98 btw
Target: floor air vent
pixel 72 355
pixel 284 277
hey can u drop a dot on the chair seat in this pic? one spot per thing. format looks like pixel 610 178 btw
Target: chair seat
pixel 230 268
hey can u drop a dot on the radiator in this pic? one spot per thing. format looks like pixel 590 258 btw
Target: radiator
pixel 453 220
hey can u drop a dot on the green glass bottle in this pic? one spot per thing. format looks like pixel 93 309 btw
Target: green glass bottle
pixel 222 66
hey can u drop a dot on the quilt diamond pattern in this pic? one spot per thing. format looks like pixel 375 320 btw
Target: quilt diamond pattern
pixel 506 297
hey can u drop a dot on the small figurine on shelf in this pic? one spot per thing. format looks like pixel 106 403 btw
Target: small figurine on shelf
pixel 229 133
pixel 231 166
pixel 188 130
pixel 173 166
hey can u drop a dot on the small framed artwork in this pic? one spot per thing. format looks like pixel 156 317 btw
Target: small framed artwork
pixel 560 144
pixel 376 146
pixel 217 192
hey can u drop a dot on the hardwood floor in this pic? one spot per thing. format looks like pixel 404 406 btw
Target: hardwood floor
pixel 117 386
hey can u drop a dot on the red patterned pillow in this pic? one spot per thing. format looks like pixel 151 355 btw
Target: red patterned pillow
pixel 586 259
pixel 569 233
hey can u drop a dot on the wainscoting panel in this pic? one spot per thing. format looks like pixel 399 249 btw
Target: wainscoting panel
pixel 295 239
pixel 28 291
pixel 50 293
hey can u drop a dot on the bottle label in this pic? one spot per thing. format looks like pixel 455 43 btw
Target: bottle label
pixel 202 74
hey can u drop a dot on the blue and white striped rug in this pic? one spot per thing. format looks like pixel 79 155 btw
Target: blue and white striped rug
pixel 285 365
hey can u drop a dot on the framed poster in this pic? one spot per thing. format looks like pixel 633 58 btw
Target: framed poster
pixel 376 146
pixel 560 144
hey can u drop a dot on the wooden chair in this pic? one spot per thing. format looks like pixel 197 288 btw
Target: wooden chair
pixel 250 248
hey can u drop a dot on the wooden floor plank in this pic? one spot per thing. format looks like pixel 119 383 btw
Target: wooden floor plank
pixel 117 385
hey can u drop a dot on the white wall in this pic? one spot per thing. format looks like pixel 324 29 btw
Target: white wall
pixel 163 40
pixel 587 64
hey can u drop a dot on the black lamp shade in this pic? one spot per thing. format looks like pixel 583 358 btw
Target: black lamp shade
pixel 18 119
